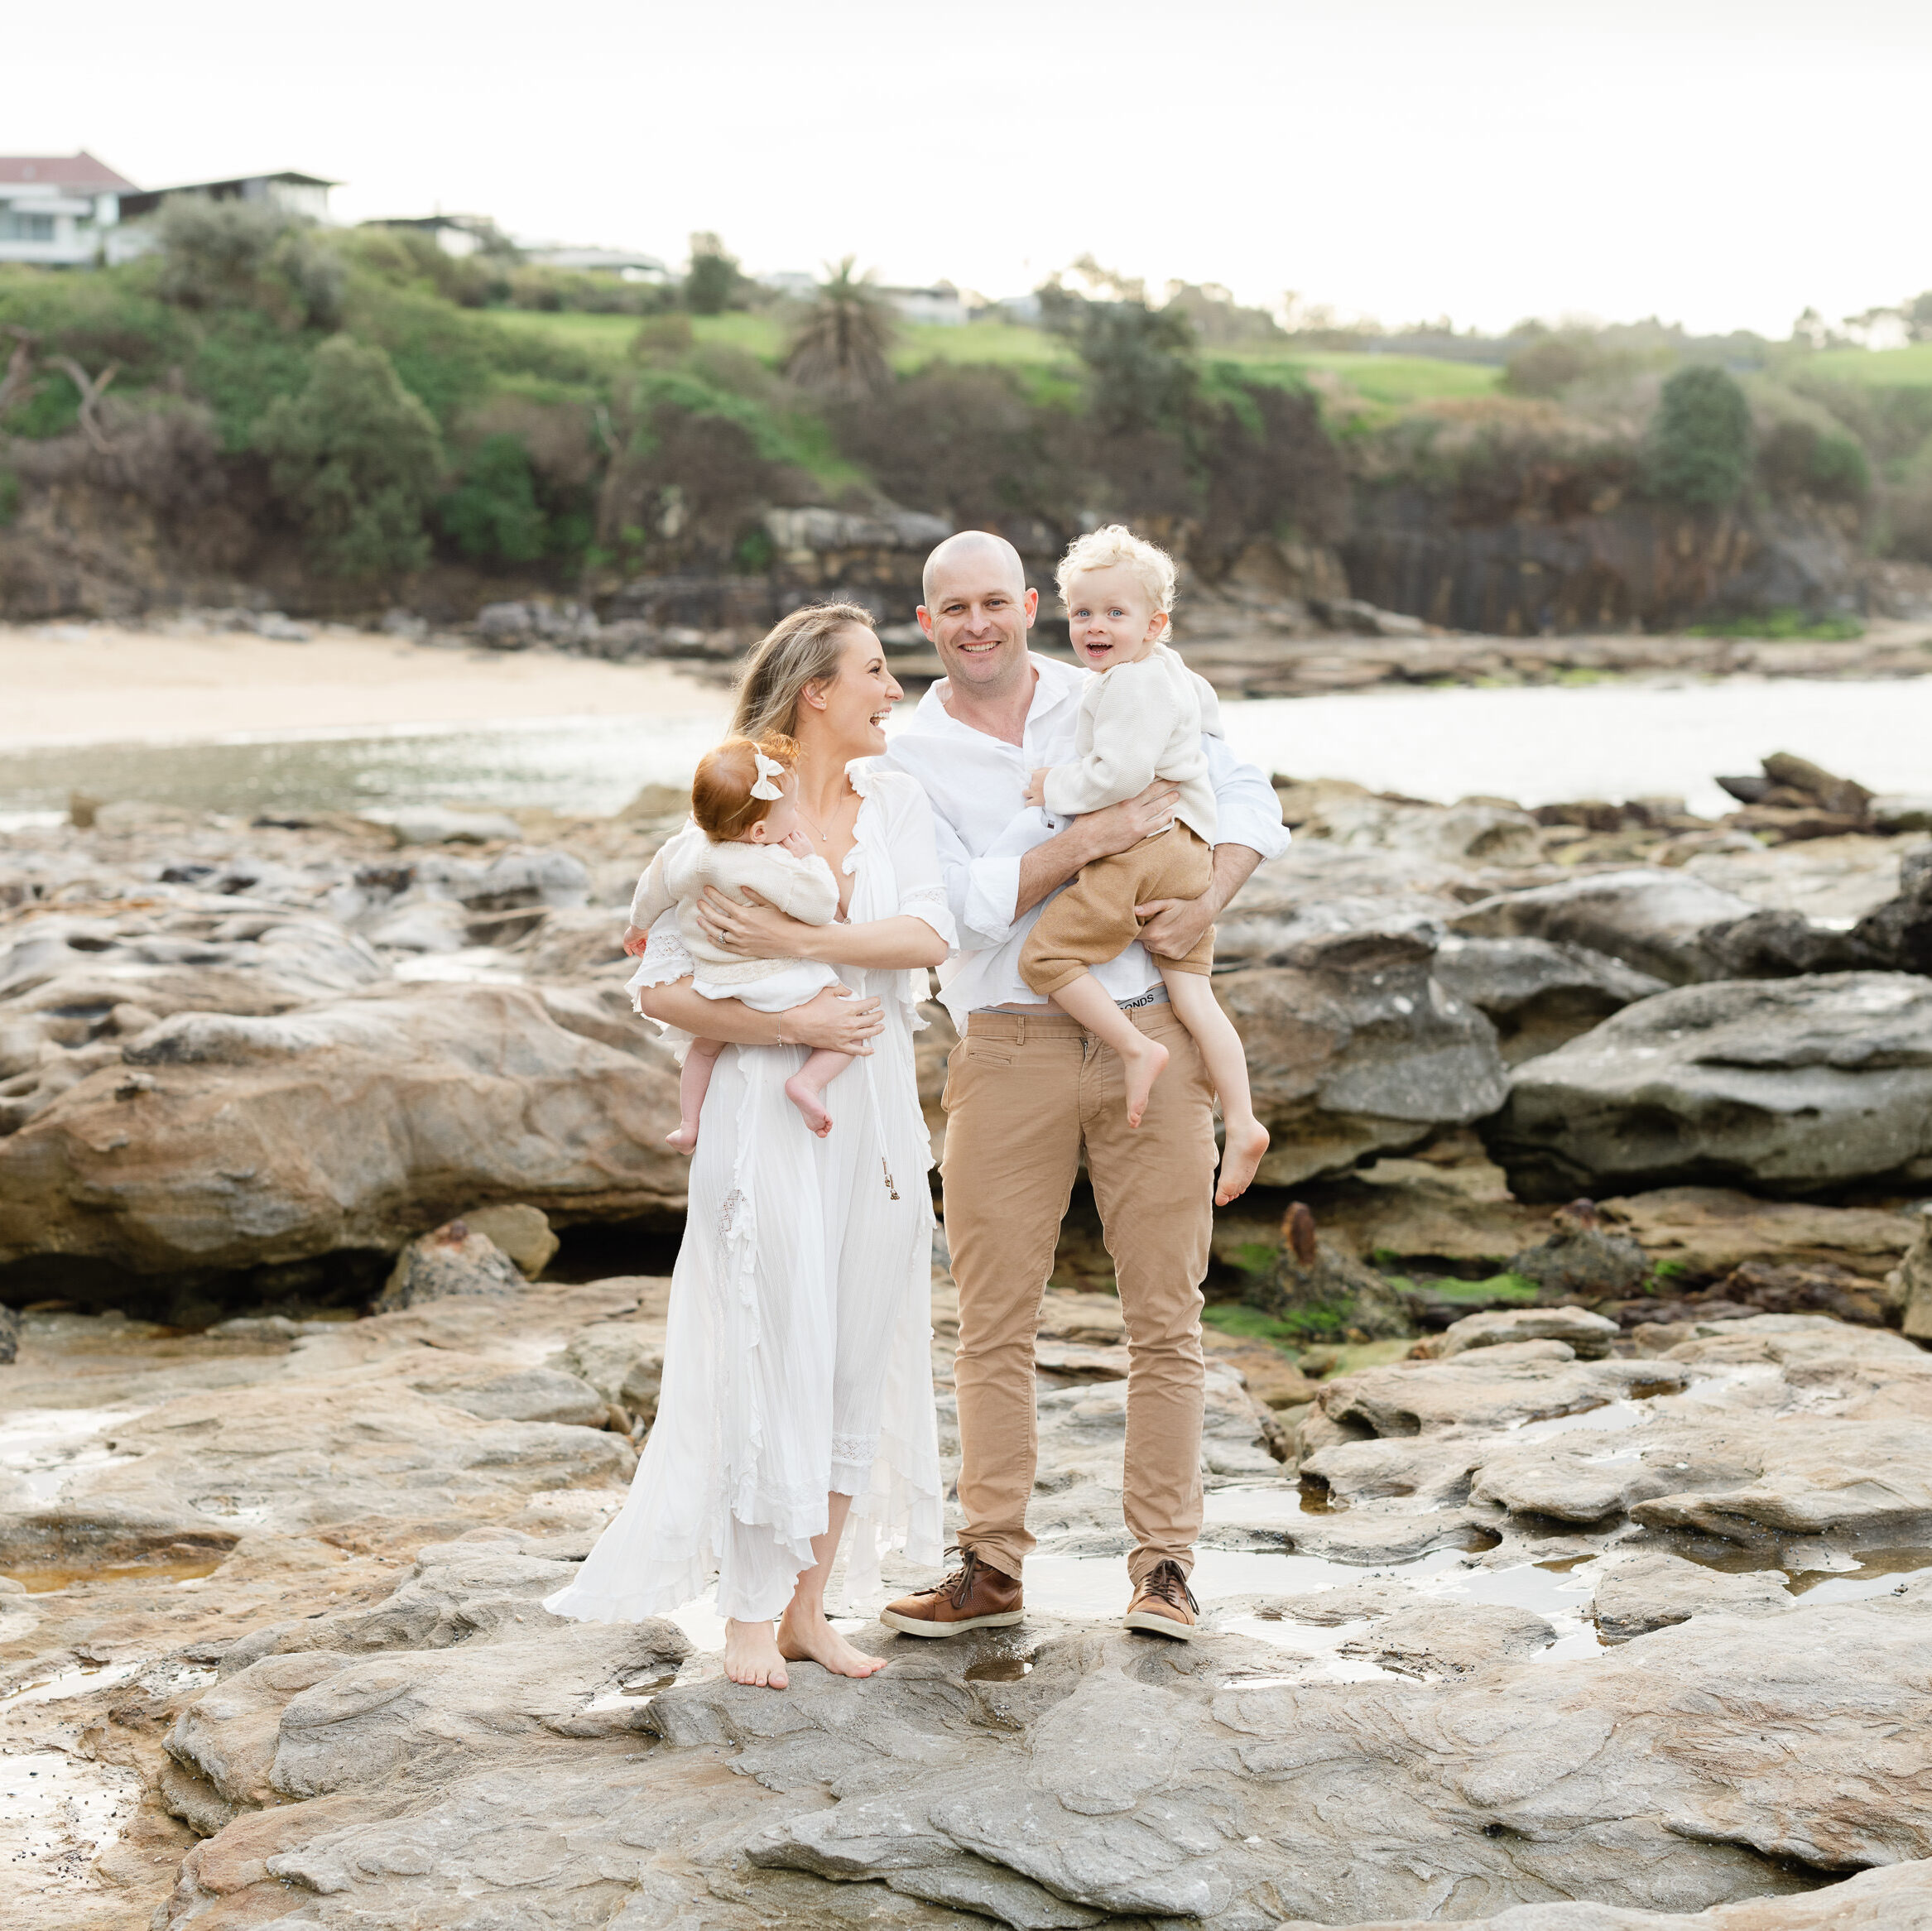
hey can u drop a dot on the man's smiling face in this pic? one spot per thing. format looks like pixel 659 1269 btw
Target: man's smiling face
pixel 978 611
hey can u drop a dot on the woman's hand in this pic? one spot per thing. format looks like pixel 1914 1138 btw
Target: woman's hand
pixel 636 939
pixel 757 931
pixel 835 1019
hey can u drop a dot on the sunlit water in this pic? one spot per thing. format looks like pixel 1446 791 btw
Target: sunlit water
pixel 1536 745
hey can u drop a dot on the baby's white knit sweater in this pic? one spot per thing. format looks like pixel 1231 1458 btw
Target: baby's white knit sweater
pixel 803 887
pixel 1139 722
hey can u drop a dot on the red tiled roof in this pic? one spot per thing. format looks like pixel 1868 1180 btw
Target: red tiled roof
pixel 62 171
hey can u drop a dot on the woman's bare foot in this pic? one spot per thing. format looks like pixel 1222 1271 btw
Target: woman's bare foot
pixel 803 1634
pixel 685 1139
pixel 810 1104
pixel 1143 1068
pixel 752 1655
pixel 1246 1141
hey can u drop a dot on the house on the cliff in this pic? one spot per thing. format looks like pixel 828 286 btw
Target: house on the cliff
pixel 56 211
pixel 302 195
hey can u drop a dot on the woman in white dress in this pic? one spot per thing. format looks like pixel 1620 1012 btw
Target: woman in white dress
pixel 798 1377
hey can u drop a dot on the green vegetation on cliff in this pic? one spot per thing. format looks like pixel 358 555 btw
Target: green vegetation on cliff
pixel 372 403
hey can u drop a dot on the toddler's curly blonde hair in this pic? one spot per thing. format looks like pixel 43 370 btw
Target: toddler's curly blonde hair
pixel 1101 549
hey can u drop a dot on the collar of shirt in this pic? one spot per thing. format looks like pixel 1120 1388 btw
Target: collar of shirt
pixel 1057 690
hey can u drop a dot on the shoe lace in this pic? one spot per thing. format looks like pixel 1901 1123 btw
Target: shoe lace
pixel 959 1583
pixel 1168 1583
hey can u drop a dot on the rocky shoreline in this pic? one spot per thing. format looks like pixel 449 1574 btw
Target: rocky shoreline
pixel 1569 1551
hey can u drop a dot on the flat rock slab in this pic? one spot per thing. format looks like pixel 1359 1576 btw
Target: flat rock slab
pixel 1787 1086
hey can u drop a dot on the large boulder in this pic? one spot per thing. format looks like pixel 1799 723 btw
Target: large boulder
pixel 219 1142
pixel 1537 995
pixel 1783 1086
pixel 1354 1048
pixel 1899 933
pixel 1658 921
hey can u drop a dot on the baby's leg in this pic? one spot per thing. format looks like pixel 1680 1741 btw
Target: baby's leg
pixel 694 1083
pixel 806 1087
pixel 1141 1059
pixel 1192 995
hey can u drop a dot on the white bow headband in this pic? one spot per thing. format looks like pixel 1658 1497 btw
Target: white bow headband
pixel 769 769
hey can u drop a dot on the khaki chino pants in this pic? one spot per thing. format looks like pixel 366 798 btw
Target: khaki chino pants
pixel 1024 1095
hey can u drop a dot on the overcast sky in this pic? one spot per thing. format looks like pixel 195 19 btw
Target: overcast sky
pixel 1720 162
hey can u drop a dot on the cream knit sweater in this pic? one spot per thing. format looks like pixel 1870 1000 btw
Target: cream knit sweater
pixel 803 887
pixel 1139 722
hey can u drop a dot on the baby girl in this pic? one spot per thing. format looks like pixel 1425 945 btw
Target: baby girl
pixel 746 835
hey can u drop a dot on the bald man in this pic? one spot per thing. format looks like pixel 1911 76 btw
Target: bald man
pixel 1028 1092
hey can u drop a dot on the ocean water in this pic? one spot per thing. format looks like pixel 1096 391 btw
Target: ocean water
pixel 1538 745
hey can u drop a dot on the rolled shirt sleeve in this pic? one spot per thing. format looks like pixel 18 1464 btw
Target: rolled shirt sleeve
pixel 1247 812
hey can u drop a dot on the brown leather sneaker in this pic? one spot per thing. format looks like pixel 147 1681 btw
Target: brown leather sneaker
pixel 972 1596
pixel 1164 1605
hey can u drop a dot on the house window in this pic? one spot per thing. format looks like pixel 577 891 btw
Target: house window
pixel 15 226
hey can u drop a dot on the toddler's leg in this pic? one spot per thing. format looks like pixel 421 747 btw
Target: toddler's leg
pixel 694 1083
pixel 806 1087
pixel 1142 1058
pixel 1192 995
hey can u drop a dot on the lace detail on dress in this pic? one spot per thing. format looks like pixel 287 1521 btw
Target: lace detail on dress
pixel 855 1451
pixel 731 1215
pixel 666 959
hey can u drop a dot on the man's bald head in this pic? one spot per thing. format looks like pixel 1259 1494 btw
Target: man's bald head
pixel 978 611
pixel 986 556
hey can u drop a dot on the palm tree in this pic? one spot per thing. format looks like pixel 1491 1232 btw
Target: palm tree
pixel 842 340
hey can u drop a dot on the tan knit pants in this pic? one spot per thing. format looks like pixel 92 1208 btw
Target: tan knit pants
pixel 1093 920
pixel 1023 1095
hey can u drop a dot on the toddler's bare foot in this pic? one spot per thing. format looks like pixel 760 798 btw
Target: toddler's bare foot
pixel 810 1104
pixel 685 1139
pixel 1143 1068
pixel 752 1655
pixel 802 1634
pixel 1246 1141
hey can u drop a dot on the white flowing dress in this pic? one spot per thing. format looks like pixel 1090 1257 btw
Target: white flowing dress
pixel 798 1351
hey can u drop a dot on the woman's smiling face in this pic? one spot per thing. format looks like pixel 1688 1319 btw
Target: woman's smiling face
pixel 854 704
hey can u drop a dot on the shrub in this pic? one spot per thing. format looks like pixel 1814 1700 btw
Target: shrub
pixel 1700 440
pixel 9 498
pixel 243 364
pixel 242 254
pixel 713 282
pixel 1549 365
pixel 493 514
pixel 1141 373
pixel 1796 458
pixel 355 458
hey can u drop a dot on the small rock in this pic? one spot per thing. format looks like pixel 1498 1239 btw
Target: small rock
pixel 9 1335
pixel 433 825
pixel 1588 1335
pixel 1654 1589
pixel 1323 1292
pixel 1582 1258
pixel 522 1233
pixel 451 1260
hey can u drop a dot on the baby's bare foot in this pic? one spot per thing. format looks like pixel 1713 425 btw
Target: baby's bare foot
pixel 802 1636
pixel 1143 1068
pixel 685 1139
pixel 810 1104
pixel 1246 1139
pixel 752 1655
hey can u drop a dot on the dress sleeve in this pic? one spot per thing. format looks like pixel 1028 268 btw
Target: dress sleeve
pixel 653 898
pixel 666 959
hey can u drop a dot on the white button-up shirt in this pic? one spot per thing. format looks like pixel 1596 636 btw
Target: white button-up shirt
pixel 976 783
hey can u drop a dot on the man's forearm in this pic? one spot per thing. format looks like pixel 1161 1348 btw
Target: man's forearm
pixel 1046 868
pixel 1233 867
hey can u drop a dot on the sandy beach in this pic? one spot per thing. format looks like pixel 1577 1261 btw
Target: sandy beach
pixel 95 684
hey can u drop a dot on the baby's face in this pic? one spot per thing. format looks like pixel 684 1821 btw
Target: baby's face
pixel 781 820
pixel 1112 618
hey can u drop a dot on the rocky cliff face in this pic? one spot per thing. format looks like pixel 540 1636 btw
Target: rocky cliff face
pixel 1580 567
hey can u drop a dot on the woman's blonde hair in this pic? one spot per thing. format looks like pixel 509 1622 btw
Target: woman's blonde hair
pixel 803 648
pixel 1101 549
pixel 721 792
